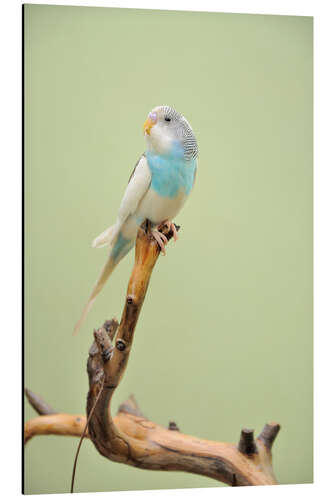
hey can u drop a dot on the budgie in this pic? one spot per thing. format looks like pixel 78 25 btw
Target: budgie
pixel 160 183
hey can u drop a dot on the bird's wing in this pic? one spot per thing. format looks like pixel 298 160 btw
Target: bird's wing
pixel 137 187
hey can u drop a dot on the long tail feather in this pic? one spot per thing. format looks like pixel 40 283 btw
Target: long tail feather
pixel 120 246
pixel 107 236
pixel 106 271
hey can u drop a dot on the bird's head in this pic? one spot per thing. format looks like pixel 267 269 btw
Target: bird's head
pixel 166 130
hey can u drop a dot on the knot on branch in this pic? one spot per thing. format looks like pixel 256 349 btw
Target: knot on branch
pixel 121 345
pixel 130 299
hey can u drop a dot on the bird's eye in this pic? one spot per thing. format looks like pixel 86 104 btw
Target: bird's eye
pixel 167 119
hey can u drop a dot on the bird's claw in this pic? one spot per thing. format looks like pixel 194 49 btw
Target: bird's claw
pixel 161 240
pixel 170 226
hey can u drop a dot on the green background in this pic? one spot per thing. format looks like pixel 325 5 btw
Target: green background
pixel 224 340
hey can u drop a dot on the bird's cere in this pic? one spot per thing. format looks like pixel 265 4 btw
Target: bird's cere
pixel 153 117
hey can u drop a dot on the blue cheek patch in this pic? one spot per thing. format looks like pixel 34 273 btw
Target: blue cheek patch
pixel 171 173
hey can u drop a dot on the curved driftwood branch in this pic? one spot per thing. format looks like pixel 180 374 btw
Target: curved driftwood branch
pixel 170 450
pixel 130 437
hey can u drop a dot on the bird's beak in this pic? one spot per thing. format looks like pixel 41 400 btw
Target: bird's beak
pixel 147 126
pixel 149 123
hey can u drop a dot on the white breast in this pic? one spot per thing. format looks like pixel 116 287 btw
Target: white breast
pixel 157 209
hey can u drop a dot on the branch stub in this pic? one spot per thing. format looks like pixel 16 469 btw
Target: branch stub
pixel 246 443
pixel 269 433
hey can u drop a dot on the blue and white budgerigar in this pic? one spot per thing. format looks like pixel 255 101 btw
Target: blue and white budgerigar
pixel 158 187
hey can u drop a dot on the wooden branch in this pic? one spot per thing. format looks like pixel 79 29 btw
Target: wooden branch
pixel 61 424
pixel 170 450
pixel 130 437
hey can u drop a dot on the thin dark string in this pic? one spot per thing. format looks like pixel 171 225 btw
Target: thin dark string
pixel 83 433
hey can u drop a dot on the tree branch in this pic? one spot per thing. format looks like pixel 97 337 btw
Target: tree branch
pixel 130 437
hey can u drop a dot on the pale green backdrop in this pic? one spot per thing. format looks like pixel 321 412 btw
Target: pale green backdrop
pixel 225 336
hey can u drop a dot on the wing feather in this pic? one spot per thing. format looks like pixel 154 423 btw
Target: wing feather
pixel 137 187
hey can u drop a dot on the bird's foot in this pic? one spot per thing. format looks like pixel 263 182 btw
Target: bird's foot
pixel 170 226
pixel 161 240
pixel 160 237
